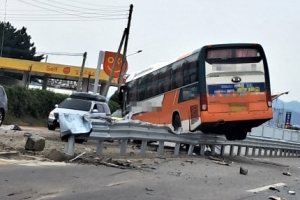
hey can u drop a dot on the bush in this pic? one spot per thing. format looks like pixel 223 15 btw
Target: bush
pixel 33 103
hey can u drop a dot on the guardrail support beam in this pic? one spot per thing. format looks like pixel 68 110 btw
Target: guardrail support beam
pixel 123 147
pixel 265 152
pixel 213 149
pixel 143 148
pixel 253 151
pixel 231 150
pixel 202 149
pixel 177 148
pixel 160 150
pixel 99 147
pixel 223 150
pixel 70 145
pixel 191 149
pixel 259 151
pixel 247 151
pixel 239 150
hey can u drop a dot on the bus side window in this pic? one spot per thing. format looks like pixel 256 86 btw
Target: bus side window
pixel 177 76
pixel 160 81
pixel 166 79
pixel 193 72
pixel 186 73
pixel 154 83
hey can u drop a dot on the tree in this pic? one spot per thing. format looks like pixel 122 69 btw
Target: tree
pixel 16 43
pixel 113 102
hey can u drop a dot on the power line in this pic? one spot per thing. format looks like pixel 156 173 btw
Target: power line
pixel 85 3
pixel 69 5
pixel 53 10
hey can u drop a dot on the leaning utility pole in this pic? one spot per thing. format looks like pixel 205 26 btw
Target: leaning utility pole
pixel 125 35
pixel 81 72
pixel 125 49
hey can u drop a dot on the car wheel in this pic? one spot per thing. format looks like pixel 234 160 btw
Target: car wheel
pixel 1 116
pixel 51 127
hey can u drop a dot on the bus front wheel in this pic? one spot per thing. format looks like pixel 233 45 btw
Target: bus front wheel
pixel 176 122
pixel 230 136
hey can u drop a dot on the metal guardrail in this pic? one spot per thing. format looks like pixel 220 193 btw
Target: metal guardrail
pixel 259 141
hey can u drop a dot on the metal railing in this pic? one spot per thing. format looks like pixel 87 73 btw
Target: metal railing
pixel 261 141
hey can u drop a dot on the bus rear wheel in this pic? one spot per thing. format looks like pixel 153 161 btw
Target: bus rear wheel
pixel 176 122
pixel 231 135
pixel 241 135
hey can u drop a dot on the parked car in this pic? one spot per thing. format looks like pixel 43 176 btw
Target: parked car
pixel 3 104
pixel 81 103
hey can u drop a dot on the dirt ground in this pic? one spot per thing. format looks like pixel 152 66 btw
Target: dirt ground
pixel 14 141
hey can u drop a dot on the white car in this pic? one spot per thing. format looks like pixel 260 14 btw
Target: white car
pixel 81 103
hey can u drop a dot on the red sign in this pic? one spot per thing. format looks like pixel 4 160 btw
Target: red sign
pixel 66 70
pixel 109 58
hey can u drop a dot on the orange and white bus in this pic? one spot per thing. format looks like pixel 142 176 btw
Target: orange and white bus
pixel 217 89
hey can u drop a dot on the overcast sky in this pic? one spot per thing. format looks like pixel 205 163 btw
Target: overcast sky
pixel 164 30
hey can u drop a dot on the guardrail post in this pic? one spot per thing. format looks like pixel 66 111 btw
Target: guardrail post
pixel 213 149
pixel 271 152
pixel 99 147
pixel 191 149
pixel 222 150
pixel 284 152
pixel 160 150
pixel 259 151
pixel 265 152
pixel 123 147
pixel 70 145
pixel 143 148
pixel 239 150
pixel 281 152
pixel 253 151
pixel 202 149
pixel 289 153
pixel 276 152
pixel 177 148
pixel 247 151
pixel 231 150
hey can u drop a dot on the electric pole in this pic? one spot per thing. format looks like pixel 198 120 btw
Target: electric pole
pixel 81 72
pixel 125 48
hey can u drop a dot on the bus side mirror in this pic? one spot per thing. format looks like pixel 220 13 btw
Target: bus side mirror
pixel 56 105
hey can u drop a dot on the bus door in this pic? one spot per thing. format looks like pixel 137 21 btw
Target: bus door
pixel 235 79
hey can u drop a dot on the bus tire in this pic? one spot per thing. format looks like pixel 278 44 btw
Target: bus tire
pixel 176 122
pixel 241 135
pixel 230 136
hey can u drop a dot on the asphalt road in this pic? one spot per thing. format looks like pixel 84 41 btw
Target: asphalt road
pixel 171 179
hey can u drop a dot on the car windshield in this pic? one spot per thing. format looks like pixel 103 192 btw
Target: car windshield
pixel 76 104
pixel 117 113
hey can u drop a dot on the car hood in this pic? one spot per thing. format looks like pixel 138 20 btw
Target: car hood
pixel 64 110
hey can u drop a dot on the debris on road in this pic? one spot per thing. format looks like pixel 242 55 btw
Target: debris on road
pixel 221 163
pixel 8 153
pixel 11 127
pixel 56 156
pixel 276 198
pixel 274 189
pixel 190 161
pixel 115 184
pixel 148 189
pixel 77 156
pixel 291 192
pixel 35 143
pixel 243 171
pixel 286 173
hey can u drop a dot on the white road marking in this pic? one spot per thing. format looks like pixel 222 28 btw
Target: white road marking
pixel 266 187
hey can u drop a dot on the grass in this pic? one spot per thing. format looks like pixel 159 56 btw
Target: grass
pixel 24 121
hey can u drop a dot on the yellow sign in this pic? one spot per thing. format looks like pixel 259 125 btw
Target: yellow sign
pixel 250 89
pixel 53 69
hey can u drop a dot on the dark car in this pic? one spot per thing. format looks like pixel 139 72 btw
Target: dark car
pixel 3 104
